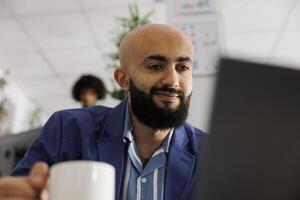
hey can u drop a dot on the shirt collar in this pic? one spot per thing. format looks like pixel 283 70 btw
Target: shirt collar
pixel 166 144
pixel 128 137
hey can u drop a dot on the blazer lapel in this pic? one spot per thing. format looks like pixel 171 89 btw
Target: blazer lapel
pixel 180 166
pixel 113 151
pixel 111 146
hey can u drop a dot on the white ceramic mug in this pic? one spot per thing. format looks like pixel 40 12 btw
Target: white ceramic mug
pixel 82 180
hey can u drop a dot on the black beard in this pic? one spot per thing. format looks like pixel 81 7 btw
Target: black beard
pixel 147 112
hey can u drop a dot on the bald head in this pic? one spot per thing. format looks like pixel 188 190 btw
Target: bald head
pixel 152 39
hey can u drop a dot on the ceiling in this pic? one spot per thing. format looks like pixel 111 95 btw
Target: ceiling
pixel 264 29
pixel 47 44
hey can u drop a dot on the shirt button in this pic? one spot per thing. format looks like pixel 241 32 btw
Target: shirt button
pixel 144 180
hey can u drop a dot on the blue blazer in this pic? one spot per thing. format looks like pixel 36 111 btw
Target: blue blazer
pixel 96 134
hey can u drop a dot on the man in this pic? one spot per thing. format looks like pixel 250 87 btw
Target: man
pixel 88 89
pixel 155 153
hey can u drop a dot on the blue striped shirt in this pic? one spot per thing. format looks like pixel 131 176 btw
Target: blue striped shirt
pixel 144 183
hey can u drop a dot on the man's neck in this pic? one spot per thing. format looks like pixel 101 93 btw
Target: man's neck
pixel 147 139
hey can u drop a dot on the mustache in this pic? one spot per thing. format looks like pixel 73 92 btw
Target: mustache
pixel 153 90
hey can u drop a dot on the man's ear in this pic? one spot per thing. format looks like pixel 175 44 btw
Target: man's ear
pixel 121 78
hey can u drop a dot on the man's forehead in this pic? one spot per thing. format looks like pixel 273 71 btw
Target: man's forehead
pixel 159 44
pixel 169 50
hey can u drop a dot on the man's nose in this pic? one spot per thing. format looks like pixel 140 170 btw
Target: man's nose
pixel 171 77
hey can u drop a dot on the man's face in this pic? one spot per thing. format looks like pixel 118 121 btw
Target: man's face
pixel 161 67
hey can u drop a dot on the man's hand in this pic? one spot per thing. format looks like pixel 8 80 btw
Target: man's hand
pixel 26 187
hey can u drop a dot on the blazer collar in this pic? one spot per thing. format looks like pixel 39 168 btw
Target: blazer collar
pixel 115 123
pixel 111 147
pixel 180 166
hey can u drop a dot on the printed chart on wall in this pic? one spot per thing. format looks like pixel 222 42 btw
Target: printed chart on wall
pixel 188 7
pixel 205 39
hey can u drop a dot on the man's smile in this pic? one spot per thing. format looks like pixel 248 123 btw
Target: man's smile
pixel 167 96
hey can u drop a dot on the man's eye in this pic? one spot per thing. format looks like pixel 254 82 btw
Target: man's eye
pixel 182 68
pixel 155 67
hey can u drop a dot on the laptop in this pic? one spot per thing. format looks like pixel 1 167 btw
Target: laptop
pixel 253 151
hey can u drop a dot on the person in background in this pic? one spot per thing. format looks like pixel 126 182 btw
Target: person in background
pixel 156 153
pixel 88 89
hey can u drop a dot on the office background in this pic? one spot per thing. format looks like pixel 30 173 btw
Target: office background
pixel 45 45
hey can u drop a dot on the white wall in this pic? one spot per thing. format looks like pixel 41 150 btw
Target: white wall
pixel 200 108
pixel 21 107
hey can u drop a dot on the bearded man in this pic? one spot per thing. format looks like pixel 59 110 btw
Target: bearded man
pixel 156 154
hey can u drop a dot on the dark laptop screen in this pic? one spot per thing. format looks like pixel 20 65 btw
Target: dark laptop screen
pixel 254 144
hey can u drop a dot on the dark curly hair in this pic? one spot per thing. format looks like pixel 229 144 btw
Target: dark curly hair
pixel 89 82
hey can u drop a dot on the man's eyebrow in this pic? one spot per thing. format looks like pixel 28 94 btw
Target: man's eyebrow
pixel 183 59
pixel 162 58
pixel 157 57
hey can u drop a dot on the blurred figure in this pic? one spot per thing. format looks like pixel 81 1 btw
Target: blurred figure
pixel 88 89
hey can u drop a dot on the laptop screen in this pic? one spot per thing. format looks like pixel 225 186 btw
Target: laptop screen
pixel 254 143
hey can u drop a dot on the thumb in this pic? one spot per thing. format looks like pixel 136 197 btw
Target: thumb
pixel 38 175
